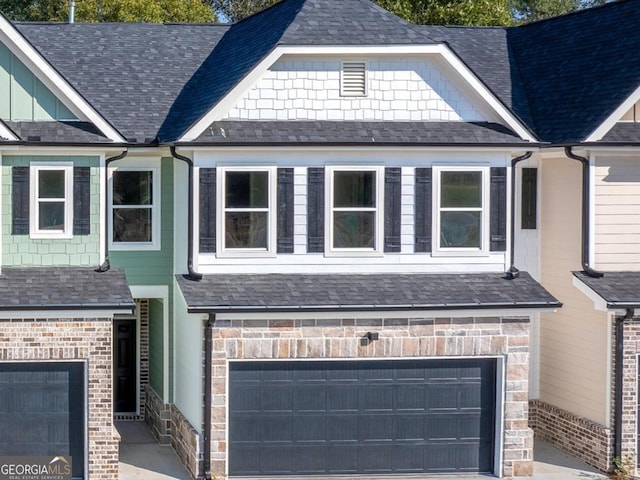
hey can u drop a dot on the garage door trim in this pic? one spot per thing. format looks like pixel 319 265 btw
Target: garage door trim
pixel 500 395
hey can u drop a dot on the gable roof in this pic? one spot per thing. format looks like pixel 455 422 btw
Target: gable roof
pixel 562 77
pixel 579 68
pixel 289 22
pixel 130 72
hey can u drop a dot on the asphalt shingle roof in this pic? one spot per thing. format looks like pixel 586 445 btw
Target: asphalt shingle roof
pixel 327 132
pixel 130 72
pixel 57 131
pixel 623 133
pixel 276 292
pixel 562 77
pixel 578 68
pixel 617 289
pixel 68 288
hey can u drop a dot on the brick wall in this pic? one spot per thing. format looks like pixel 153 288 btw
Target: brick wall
pixel 397 90
pixel 630 390
pixel 85 339
pixel 158 416
pixel 578 436
pixel 186 442
pixel 342 338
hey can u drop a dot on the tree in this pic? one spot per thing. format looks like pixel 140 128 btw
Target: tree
pixel 152 11
pixel 532 10
pixel 450 12
pixel 236 10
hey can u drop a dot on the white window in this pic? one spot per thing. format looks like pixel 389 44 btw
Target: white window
pixel 134 199
pixel 354 210
pixel 247 213
pixel 51 187
pixel 461 202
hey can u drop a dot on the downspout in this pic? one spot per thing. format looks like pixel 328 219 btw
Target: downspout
pixel 619 381
pixel 106 265
pixel 192 274
pixel 513 272
pixel 586 209
pixel 205 473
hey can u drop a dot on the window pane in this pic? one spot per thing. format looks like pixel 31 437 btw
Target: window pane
pixel 51 184
pixel 132 225
pixel 461 189
pixel 246 230
pixel 460 229
pixel 132 188
pixel 247 190
pixel 354 189
pixel 354 230
pixel 51 216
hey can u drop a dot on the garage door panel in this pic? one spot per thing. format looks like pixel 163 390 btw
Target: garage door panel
pixel 376 397
pixel 310 398
pixel 342 428
pixel 343 398
pixel 415 416
pixel 310 428
pixel 248 398
pixel 375 428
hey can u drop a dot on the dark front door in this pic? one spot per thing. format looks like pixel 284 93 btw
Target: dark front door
pixel 124 365
pixel 362 417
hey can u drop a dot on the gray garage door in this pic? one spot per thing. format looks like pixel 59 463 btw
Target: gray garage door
pixel 42 409
pixel 361 417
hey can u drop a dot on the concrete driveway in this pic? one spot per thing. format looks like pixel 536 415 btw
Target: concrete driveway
pixel 141 458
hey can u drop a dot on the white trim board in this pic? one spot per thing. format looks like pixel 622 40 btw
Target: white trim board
pixel 615 117
pixel 218 111
pixel 55 82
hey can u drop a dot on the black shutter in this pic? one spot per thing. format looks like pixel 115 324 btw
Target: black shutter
pixel 315 210
pixel 498 209
pixel 20 201
pixel 423 188
pixel 207 210
pixel 529 203
pixel 81 200
pixel 285 210
pixel 392 209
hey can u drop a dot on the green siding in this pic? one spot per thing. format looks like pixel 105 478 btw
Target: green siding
pixel 81 250
pixel 24 96
pixel 156 346
pixel 153 267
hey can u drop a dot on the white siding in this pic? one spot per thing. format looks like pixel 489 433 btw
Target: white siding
pixel 574 348
pixel 617 213
pixel 188 337
pixel 398 90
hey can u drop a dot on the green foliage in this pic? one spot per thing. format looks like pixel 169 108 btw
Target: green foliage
pixel 236 10
pixel 623 468
pixel 152 11
pixel 532 10
pixel 450 12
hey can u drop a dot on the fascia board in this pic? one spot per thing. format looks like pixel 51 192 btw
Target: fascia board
pixel 223 106
pixel 599 303
pixel 21 47
pixel 615 117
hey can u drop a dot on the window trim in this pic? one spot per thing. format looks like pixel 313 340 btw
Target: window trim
pixel 272 226
pixel 484 249
pixel 378 250
pixel 34 217
pixel 155 244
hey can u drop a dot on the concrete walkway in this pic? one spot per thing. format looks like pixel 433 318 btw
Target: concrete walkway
pixel 142 458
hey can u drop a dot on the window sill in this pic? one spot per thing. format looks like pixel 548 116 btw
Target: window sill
pixel 461 253
pixel 246 254
pixel 50 236
pixel 354 253
pixel 124 247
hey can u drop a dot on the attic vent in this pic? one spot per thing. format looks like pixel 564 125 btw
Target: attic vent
pixel 354 79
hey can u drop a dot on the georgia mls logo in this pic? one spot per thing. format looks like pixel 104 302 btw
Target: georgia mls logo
pixel 35 468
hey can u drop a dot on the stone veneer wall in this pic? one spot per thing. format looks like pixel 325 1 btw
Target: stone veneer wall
pixel 157 416
pixel 186 442
pixel 399 337
pixel 78 339
pixel 578 436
